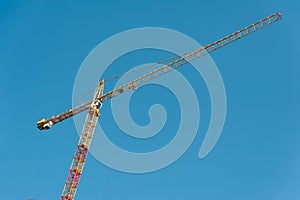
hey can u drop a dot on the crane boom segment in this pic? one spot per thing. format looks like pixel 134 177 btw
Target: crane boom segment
pixel 186 58
pixel 192 56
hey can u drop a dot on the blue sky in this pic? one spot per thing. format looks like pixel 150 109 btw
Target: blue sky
pixel 257 156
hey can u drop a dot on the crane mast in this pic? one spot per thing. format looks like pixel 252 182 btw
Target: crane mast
pixel 93 106
pixel 83 146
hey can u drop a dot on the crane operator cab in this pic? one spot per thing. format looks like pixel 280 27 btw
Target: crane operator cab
pixel 96 104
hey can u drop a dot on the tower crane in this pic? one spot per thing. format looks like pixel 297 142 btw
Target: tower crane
pixel 93 106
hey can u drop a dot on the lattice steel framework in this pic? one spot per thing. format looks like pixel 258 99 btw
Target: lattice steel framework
pixel 186 58
pixel 94 105
pixel 83 146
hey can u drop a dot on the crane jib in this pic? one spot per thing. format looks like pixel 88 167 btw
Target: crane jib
pixel 45 124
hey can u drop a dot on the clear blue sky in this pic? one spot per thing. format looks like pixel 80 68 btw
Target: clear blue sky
pixel 257 157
